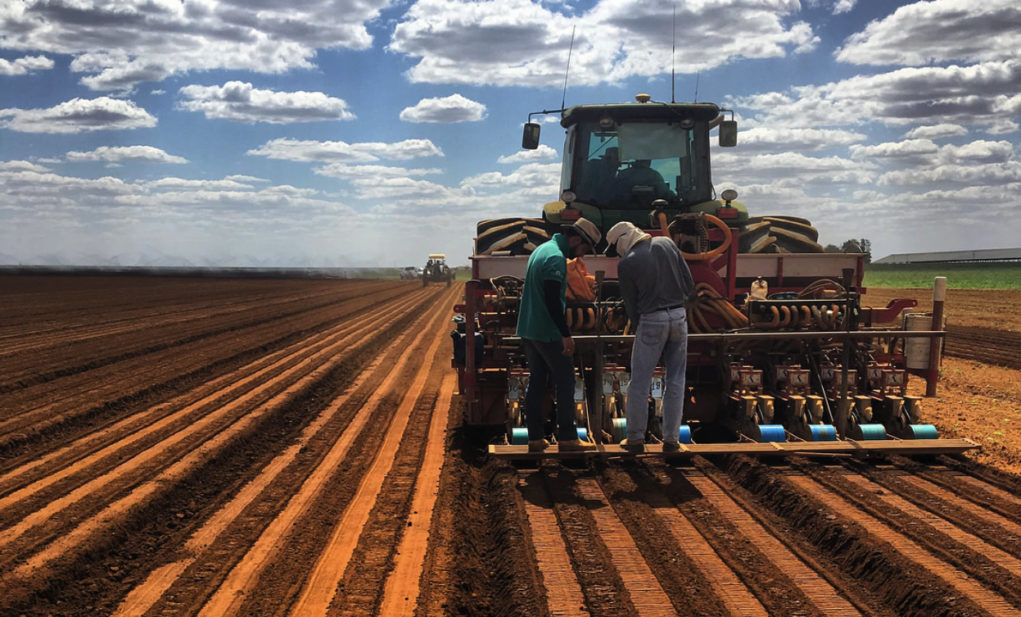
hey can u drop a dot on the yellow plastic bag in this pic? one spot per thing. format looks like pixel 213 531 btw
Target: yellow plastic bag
pixel 581 286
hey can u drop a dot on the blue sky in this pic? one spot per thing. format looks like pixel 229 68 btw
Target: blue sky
pixel 373 132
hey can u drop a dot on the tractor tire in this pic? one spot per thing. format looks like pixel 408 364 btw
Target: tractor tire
pixel 518 236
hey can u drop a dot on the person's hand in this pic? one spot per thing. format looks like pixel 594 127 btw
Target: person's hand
pixel 568 344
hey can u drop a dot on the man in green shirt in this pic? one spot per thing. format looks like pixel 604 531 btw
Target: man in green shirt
pixel 545 336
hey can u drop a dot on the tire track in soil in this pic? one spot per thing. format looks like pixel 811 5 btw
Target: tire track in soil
pixel 186 470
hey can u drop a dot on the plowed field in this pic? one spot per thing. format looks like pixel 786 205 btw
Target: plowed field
pixel 284 447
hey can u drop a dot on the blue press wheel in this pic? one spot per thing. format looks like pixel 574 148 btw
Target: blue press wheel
pixel 772 432
pixel 519 436
pixel 582 433
pixel 872 432
pixel 684 435
pixel 823 432
pixel 924 431
pixel 619 429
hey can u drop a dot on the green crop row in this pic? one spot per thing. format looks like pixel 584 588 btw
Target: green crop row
pixel 989 275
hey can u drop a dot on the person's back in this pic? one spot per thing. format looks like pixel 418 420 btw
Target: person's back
pixel 653 276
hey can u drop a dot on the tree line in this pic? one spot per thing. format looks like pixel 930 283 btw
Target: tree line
pixel 852 246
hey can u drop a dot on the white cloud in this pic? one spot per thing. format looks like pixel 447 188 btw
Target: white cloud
pixel 542 153
pixel 936 131
pixel 241 102
pixel 371 172
pixel 120 154
pixel 339 151
pixel 939 31
pixel 25 65
pixel 525 43
pixel 453 108
pixel 170 183
pixel 22 166
pixel 144 40
pixel 913 149
pixel 773 138
pixel 980 93
pixel 78 116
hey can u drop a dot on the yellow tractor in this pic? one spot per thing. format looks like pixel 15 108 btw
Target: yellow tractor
pixel 436 270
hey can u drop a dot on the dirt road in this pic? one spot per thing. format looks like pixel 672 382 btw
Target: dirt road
pixel 267 447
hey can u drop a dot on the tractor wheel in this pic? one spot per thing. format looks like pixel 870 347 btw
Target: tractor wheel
pixel 518 236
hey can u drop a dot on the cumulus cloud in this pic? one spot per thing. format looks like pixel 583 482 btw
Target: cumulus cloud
pixel 772 138
pixel 120 154
pixel 25 65
pixel 338 151
pixel 22 166
pixel 936 131
pixel 542 153
pixel 453 108
pixel 78 116
pixel 981 93
pixel 371 172
pixel 148 41
pixel 241 102
pixel 939 31
pixel 520 42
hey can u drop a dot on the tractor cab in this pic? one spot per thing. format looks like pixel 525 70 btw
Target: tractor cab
pixel 622 161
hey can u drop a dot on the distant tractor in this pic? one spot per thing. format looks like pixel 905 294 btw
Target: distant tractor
pixel 411 273
pixel 437 271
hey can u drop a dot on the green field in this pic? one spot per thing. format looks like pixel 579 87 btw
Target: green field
pixel 992 275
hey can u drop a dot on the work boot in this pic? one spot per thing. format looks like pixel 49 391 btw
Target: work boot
pixel 576 445
pixel 671 447
pixel 537 445
pixel 632 446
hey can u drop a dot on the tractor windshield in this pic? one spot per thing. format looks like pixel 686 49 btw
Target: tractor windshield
pixel 634 163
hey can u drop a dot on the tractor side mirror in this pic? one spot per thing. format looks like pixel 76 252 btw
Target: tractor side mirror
pixel 530 136
pixel 728 133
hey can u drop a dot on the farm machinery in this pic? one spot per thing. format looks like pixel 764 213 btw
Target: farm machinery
pixel 783 356
pixel 436 270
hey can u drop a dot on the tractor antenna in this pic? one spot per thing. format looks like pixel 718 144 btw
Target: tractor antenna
pixel 673 58
pixel 568 71
pixel 697 75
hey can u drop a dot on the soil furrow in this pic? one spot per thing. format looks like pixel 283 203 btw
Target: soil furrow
pixel 965 553
pixel 595 564
pixel 696 582
pixel 287 539
pixel 885 564
pixel 144 492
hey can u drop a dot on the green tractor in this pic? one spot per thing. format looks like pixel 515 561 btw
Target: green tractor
pixel 648 163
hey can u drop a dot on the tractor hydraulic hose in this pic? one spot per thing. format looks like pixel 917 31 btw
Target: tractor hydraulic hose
pixel 785 316
pixel 712 253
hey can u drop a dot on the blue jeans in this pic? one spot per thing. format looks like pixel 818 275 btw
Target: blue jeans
pixel 662 333
pixel 546 363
